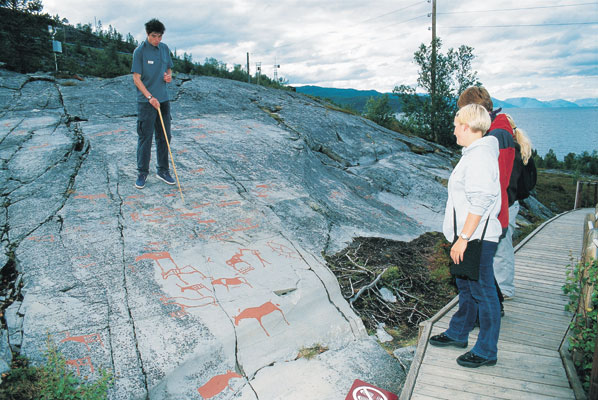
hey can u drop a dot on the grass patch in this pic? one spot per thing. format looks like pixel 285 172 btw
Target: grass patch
pixel 556 190
pixel 310 352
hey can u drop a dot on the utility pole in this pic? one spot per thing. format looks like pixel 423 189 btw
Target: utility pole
pixel 433 72
pixel 258 70
pixel 248 74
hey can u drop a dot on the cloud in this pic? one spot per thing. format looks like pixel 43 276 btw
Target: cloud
pixel 370 45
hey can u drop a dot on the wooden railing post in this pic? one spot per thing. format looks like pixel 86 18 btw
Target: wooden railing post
pixel 594 376
pixel 577 196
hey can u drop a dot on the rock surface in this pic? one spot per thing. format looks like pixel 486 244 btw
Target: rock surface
pixel 213 297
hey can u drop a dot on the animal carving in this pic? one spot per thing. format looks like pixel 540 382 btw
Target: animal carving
pixel 217 384
pixel 80 362
pixel 198 287
pixel 237 259
pixel 226 282
pixel 164 255
pixel 258 313
pixel 85 339
pixel 182 311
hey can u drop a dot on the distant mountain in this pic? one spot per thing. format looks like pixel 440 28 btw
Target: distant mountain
pixel 590 102
pixel 526 102
pixel 562 103
pixel 358 98
pixel 501 104
pixel 354 98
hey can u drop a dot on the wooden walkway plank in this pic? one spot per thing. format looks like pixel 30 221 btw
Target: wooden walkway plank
pixel 532 331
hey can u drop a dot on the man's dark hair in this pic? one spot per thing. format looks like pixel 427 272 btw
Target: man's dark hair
pixel 153 25
pixel 475 95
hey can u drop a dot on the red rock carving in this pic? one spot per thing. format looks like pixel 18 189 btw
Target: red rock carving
pixel 80 362
pixel 92 197
pixel 182 311
pixel 258 313
pixel 217 384
pixel 197 288
pixel 237 259
pixel 226 282
pixel 164 255
pixel 85 339
pixel 283 250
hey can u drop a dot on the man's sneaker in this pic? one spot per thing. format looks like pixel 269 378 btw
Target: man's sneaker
pixel 443 340
pixel 140 182
pixel 165 176
pixel 470 360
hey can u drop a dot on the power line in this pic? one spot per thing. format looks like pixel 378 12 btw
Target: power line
pixel 518 9
pixel 392 12
pixel 513 26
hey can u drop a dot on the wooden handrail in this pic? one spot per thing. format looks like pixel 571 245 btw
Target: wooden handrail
pixel 579 192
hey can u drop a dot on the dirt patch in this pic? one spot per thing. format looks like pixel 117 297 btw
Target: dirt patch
pixel 396 283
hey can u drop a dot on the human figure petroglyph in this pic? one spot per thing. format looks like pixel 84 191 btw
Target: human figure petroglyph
pixel 217 384
pixel 258 313
pixel 85 339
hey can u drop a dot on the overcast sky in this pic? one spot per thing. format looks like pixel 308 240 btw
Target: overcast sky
pixel 547 49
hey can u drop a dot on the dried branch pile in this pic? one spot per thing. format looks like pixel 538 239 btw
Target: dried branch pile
pixel 396 283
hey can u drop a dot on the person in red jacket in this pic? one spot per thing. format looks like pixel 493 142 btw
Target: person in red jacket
pixel 501 129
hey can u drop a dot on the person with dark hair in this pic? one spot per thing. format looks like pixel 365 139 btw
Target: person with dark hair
pixel 152 70
pixel 504 259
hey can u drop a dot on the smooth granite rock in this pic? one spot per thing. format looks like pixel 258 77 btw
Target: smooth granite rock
pixel 213 297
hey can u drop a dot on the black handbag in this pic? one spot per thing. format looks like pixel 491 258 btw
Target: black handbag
pixel 469 268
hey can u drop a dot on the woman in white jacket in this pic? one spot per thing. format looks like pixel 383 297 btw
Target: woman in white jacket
pixel 473 200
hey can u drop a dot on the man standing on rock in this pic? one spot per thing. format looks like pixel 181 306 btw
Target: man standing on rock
pixel 152 70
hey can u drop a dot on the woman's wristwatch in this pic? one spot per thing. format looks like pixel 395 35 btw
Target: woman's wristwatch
pixel 464 237
pixel 149 97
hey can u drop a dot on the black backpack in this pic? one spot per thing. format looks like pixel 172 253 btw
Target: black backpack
pixel 527 179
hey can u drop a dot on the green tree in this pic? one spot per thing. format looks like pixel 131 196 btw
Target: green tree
pixel 550 160
pixel 379 110
pixel 431 115
pixel 28 6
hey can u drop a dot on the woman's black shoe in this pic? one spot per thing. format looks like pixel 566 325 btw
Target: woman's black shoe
pixel 470 360
pixel 443 340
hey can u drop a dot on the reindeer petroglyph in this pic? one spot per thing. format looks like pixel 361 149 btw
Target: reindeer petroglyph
pixel 85 339
pixel 217 384
pixel 258 313
pixel 228 282
pixel 176 271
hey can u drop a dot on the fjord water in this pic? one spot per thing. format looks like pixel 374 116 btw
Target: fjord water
pixel 564 130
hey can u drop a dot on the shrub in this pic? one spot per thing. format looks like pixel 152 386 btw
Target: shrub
pixel 584 326
pixel 51 381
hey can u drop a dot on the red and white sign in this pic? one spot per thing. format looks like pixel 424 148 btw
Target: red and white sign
pixel 364 391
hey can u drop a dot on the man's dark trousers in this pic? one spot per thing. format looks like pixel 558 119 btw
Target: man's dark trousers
pixel 148 123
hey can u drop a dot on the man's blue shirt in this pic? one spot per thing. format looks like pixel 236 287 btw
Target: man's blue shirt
pixel 151 63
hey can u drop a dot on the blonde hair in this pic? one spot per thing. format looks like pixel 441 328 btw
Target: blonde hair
pixel 522 139
pixel 475 116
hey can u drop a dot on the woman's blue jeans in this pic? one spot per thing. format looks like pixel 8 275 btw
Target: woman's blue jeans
pixel 148 124
pixel 479 298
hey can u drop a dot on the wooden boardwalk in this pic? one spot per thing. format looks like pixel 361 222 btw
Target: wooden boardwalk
pixel 534 326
